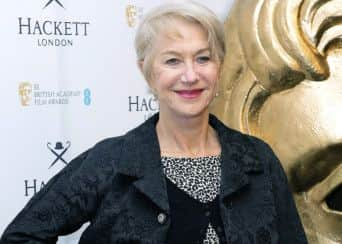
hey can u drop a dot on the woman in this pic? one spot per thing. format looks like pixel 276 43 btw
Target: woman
pixel 180 177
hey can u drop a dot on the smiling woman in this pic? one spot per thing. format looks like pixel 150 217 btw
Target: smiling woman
pixel 180 177
pixel 184 73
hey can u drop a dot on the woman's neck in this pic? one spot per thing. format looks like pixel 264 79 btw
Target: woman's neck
pixel 187 136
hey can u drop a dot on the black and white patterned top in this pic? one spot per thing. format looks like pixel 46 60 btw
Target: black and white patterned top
pixel 199 177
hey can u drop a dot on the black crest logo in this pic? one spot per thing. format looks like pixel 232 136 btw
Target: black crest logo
pixel 59 150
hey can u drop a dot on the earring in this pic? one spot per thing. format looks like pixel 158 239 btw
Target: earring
pixel 217 94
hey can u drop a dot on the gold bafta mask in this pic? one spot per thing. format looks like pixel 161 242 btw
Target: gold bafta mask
pixel 25 90
pixel 282 81
pixel 131 15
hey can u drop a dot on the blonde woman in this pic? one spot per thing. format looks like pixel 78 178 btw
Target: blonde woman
pixel 180 177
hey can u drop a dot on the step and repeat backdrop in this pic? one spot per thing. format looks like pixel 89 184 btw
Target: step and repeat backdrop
pixel 68 79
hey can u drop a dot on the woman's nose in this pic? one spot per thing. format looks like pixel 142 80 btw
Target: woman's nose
pixel 189 75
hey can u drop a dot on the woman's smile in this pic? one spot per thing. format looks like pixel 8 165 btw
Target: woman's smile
pixel 190 94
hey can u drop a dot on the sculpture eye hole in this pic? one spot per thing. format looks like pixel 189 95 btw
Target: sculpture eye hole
pixel 334 199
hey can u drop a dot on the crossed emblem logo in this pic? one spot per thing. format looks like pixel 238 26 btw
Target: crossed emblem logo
pixel 58 151
pixel 50 1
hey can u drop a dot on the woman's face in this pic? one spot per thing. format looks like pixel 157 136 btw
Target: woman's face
pixel 184 72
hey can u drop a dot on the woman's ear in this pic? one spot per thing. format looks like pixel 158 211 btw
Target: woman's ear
pixel 141 68
pixel 141 65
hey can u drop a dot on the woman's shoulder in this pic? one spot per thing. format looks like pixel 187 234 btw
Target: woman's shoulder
pixel 254 151
pixel 260 151
pixel 102 155
pixel 113 145
pixel 110 145
pixel 238 137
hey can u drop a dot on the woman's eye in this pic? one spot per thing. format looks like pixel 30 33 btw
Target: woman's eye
pixel 172 61
pixel 203 59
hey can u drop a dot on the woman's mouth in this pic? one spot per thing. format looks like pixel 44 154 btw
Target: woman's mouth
pixel 190 94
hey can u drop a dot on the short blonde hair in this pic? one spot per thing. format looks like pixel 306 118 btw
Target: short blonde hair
pixel 162 17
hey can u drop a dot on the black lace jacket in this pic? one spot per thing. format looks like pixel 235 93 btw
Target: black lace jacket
pixel 118 186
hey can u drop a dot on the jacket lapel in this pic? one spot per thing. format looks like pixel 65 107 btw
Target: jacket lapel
pixel 238 158
pixel 140 159
pixel 233 178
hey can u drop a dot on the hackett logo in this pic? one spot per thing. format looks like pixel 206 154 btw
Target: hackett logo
pixel 53 33
pixel 148 105
pixel 29 26
pixel 32 187
pixel 142 104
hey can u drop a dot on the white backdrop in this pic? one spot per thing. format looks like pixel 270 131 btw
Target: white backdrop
pixel 68 79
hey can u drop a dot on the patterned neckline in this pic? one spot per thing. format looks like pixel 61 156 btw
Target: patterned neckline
pixel 217 156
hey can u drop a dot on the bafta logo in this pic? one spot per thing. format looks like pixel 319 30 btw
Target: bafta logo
pixel 25 91
pixel 133 13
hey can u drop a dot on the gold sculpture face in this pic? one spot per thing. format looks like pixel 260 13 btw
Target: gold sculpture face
pixel 131 13
pixel 282 82
pixel 25 90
